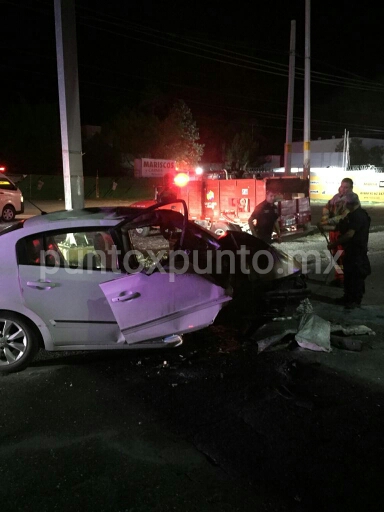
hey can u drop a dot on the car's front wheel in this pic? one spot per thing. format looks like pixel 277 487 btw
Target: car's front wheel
pixel 18 343
pixel 8 214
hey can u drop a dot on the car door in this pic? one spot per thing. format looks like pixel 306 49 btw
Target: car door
pixel 152 306
pixel 66 295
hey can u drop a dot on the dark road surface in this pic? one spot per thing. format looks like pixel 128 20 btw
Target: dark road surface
pixel 210 426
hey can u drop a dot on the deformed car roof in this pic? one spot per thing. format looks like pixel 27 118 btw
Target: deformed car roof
pixel 111 216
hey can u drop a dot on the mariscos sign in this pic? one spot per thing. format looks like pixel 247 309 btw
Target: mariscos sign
pixel 153 167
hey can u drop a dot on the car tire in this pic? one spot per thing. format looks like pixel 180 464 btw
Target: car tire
pixel 143 231
pixel 19 342
pixel 8 214
pixel 220 228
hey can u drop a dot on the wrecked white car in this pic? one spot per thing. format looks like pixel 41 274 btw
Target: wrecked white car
pixel 84 280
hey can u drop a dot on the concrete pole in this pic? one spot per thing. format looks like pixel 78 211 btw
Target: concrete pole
pixel 66 51
pixel 307 93
pixel 347 162
pixel 291 95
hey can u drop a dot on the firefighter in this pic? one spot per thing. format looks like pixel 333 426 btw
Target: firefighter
pixel 354 233
pixel 333 212
pixel 168 192
pixel 264 219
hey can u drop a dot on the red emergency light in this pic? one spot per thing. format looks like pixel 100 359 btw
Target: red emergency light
pixel 181 179
pixel 2 168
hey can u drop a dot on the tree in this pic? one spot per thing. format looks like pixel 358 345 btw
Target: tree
pixel 179 135
pixel 242 150
pixel 139 133
pixel 375 156
pixel 359 155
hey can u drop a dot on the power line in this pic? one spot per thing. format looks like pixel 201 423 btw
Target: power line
pixel 266 65
pixel 212 52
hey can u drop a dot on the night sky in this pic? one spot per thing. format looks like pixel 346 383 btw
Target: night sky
pixel 229 63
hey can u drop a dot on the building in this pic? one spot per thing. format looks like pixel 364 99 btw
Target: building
pixel 323 152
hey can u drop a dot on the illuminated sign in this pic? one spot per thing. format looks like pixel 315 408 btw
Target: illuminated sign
pixel 324 184
pixel 153 167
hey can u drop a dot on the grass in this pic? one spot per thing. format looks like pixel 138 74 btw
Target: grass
pixel 49 187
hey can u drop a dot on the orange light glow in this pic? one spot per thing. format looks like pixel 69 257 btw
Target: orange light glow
pixel 181 179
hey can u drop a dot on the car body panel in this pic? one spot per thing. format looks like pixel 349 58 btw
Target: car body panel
pixel 70 303
pixel 126 308
pixel 155 305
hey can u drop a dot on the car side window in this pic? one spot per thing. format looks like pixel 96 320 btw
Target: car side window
pixel 30 250
pixel 39 250
pixel 6 185
pixel 153 238
pixel 90 250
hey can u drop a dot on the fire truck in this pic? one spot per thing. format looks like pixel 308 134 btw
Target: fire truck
pixel 226 204
pixel 221 204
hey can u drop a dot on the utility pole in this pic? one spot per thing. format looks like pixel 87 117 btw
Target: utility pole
pixel 291 95
pixel 344 149
pixel 68 81
pixel 307 93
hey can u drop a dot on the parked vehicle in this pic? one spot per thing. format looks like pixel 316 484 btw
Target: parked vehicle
pixel 11 199
pixel 220 204
pixel 85 280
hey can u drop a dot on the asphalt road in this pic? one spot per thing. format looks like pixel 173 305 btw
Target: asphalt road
pixel 211 426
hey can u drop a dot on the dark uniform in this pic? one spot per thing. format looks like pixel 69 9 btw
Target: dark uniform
pixel 168 193
pixel 356 263
pixel 266 214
